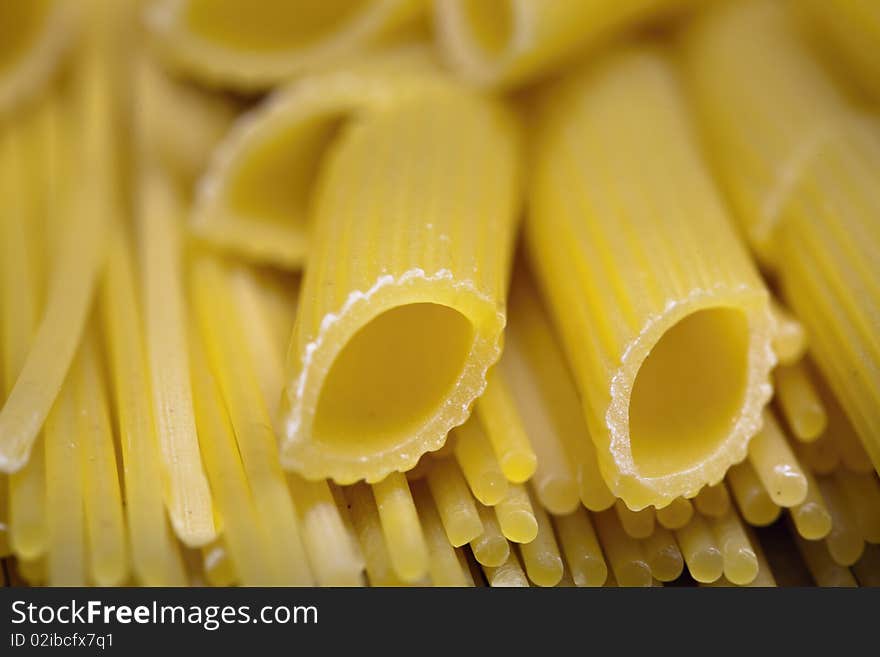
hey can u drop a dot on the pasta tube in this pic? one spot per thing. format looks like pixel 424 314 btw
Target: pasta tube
pixel 505 42
pixel 850 31
pixel 250 47
pixel 33 36
pixel 800 165
pixel 662 315
pixel 402 304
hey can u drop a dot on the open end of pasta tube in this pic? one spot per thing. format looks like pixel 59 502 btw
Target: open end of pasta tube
pixel 391 376
pixel 481 37
pixel 32 35
pixel 388 377
pixel 256 45
pixel 689 396
pixel 688 392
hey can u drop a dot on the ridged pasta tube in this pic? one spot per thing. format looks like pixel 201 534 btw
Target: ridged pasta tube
pixel 402 305
pixel 512 41
pixel 33 36
pixel 663 317
pixel 801 167
pixel 252 46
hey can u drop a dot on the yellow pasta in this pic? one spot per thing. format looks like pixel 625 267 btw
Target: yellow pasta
pixel 478 463
pixel 849 30
pixel 713 501
pixel 533 357
pixel 799 162
pixel 776 465
pixel 187 495
pixel 822 456
pixel 252 47
pixel 491 547
pixel 541 556
pixel 753 500
pixel 581 549
pixel 623 553
pixel 498 412
pixel 638 524
pixel 400 522
pixel 456 506
pixel 700 550
pixel 368 528
pixel 790 341
pixel 89 210
pixel 823 569
pixel 676 514
pixel 249 542
pixel 516 515
pixel 217 565
pixel 334 559
pixel 662 315
pixel 508 574
pixel 845 541
pixel 740 561
pixel 799 401
pixel 505 42
pixel 862 493
pixel 105 526
pixel 867 569
pixel 663 555
pixel 154 553
pixel 444 564
pixel 427 288
pixel 223 337
pixel 811 517
pixel 33 36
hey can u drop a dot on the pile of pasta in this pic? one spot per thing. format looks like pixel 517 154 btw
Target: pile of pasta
pixel 451 292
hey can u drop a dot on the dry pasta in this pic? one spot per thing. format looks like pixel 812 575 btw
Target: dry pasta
pixel 671 353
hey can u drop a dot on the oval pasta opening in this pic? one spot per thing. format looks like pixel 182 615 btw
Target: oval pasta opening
pixel 276 26
pixel 392 376
pixel 689 391
pixel 20 24
pixel 490 24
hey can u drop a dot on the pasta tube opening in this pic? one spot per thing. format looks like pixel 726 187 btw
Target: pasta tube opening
pixel 412 356
pixel 688 391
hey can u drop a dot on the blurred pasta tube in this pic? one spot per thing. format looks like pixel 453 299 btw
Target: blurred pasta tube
pixel 33 36
pixel 253 200
pixel 504 42
pixel 253 46
pixel 801 167
pixel 663 317
pixel 403 301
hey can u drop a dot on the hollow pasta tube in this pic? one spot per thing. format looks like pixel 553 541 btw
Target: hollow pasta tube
pixel 663 555
pixel 802 177
pixel 508 42
pixel 478 463
pixel 389 353
pixel 671 355
pixel 249 47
